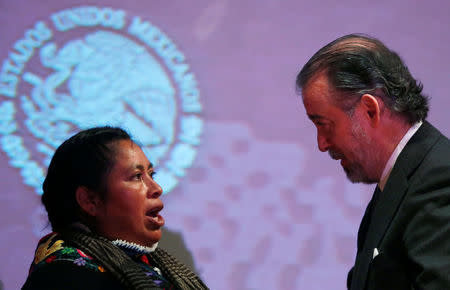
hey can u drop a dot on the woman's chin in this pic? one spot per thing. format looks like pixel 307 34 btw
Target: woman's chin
pixel 153 237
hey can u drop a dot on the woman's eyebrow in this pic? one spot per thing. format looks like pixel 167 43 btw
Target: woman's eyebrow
pixel 142 167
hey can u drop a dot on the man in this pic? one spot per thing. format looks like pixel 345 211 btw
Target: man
pixel 370 114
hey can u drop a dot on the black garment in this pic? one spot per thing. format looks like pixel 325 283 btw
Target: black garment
pixel 409 225
pixel 68 276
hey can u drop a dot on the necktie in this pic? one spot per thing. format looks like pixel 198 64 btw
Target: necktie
pixel 362 232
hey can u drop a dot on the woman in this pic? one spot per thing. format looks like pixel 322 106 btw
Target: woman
pixel 103 205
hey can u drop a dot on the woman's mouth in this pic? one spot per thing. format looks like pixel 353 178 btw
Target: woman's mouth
pixel 154 217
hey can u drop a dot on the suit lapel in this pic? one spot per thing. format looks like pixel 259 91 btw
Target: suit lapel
pixel 356 277
pixel 386 207
pixel 364 226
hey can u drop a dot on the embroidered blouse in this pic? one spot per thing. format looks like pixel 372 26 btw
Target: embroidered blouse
pixel 57 262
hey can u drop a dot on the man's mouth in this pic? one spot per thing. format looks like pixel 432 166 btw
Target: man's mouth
pixel 338 156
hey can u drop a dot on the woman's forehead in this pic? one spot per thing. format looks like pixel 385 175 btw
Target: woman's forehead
pixel 129 154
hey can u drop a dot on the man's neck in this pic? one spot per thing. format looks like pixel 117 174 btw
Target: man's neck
pixel 389 136
pixel 394 155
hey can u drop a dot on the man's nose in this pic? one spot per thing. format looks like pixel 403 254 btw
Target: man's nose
pixel 323 143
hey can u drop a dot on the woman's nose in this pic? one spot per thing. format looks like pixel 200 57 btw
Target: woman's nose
pixel 154 189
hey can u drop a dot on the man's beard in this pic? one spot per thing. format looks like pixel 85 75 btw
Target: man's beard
pixel 355 170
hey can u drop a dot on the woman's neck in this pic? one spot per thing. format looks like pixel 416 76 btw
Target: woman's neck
pixel 124 245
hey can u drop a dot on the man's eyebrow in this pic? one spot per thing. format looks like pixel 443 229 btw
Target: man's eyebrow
pixel 316 117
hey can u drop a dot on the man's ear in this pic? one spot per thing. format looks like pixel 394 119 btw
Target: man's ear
pixel 372 107
pixel 88 200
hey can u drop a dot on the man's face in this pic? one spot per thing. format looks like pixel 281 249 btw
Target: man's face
pixel 341 135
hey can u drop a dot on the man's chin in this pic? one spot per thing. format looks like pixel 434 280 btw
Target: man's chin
pixel 358 176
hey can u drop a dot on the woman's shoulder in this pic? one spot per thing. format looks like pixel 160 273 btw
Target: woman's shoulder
pixel 58 265
pixel 52 249
pixel 65 275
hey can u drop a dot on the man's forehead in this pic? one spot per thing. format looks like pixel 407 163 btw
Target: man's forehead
pixel 318 83
pixel 317 89
pixel 319 99
pixel 320 76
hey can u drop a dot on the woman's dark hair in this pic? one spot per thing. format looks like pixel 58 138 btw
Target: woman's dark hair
pixel 84 159
pixel 357 64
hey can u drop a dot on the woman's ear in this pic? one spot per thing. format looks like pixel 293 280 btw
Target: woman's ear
pixel 88 200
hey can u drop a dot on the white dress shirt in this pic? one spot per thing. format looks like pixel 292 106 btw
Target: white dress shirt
pixel 390 164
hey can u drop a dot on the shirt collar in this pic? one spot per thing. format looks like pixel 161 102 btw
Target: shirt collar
pixel 134 248
pixel 390 164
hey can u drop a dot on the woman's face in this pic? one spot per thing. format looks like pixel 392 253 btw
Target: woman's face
pixel 130 210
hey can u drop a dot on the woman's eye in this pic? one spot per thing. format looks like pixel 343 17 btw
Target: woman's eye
pixel 152 174
pixel 138 176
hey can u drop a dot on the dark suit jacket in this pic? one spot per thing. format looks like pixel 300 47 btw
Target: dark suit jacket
pixel 409 224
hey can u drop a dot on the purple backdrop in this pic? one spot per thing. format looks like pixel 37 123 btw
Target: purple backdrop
pixel 257 205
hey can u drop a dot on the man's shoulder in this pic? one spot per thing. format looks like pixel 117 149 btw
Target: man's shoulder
pixel 437 154
pixel 429 131
pixel 427 148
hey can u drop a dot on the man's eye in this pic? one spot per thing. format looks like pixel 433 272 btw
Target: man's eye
pixel 323 124
pixel 320 124
pixel 152 174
